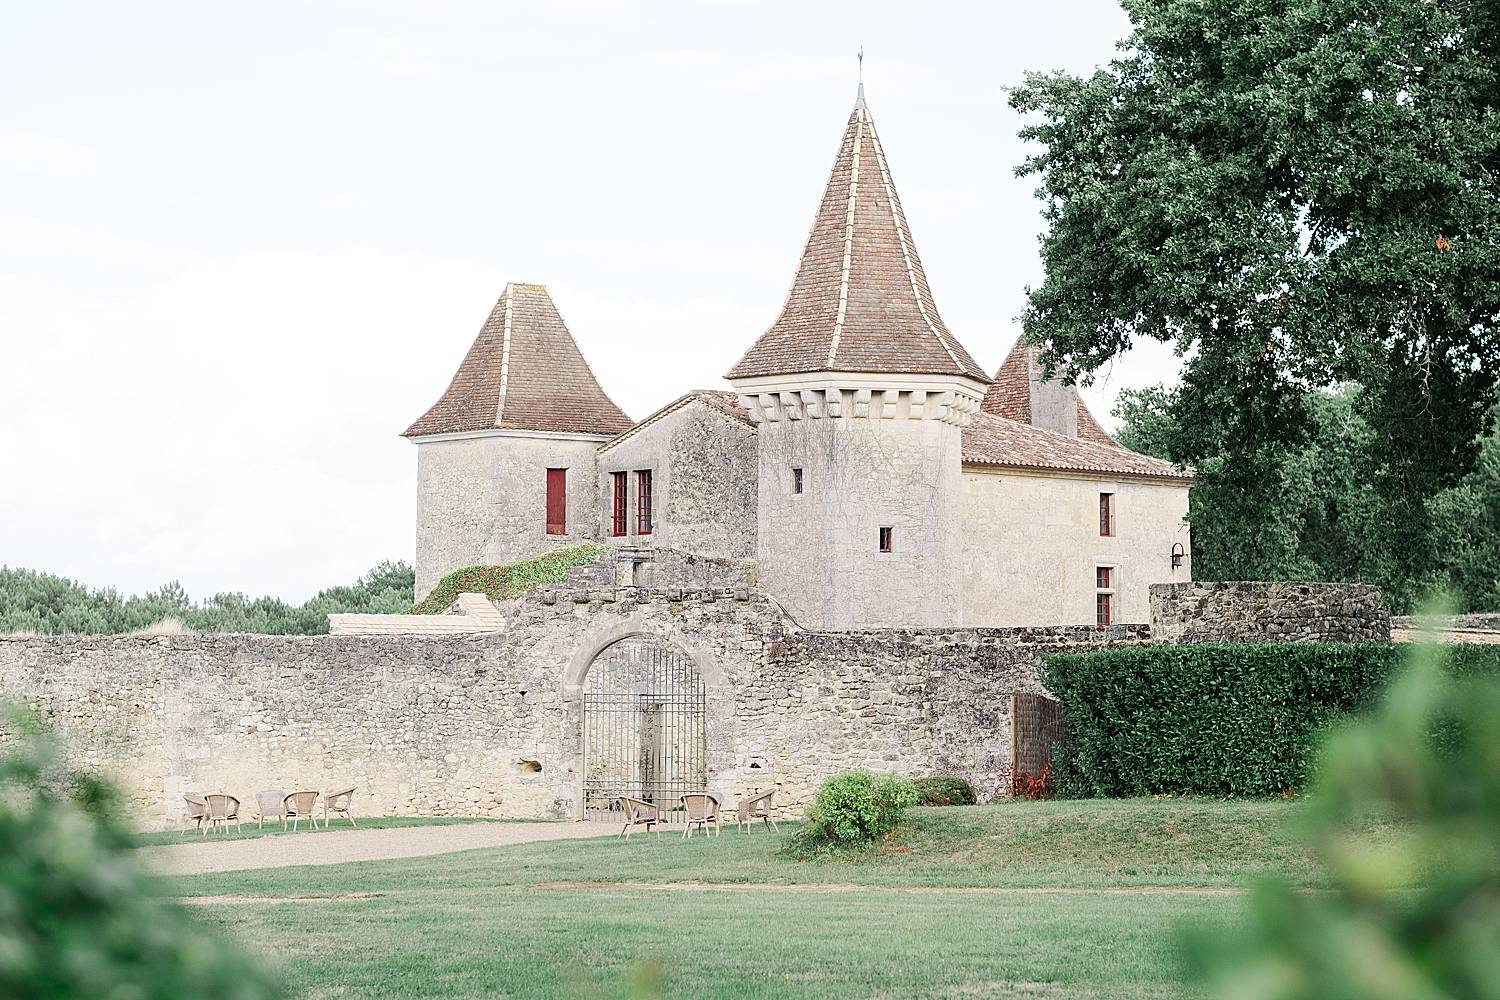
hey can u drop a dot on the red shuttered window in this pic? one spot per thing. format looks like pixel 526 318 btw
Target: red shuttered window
pixel 643 502
pixel 557 501
pixel 619 513
pixel 887 541
pixel 1104 594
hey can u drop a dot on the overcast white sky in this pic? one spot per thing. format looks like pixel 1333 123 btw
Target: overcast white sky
pixel 243 246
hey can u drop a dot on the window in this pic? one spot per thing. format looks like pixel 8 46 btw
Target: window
pixel 557 501
pixel 1106 514
pixel 885 539
pixel 796 480
pixel 1104 595
pixel 619 514
pixel 643 502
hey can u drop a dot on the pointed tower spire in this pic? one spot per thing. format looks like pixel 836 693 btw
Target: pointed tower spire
pixel 523 372
pixel 860 300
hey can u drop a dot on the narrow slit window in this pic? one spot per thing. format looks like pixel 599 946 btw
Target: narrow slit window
pixel 796 479
pixel 619 509
pixel 643 502
pixel 557 501
pixel 1104 595
pixel 886 539
pixel 1106 515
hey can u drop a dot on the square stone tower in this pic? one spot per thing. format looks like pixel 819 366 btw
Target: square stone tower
pixel 860 393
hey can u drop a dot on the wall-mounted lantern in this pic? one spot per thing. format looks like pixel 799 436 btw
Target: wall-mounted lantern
pixel 1178 554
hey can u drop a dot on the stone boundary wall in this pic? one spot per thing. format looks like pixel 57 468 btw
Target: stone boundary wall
pixel 1210 611
pixel 491 723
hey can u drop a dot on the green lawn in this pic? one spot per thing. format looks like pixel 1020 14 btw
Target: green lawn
pixel 956 906
pixel 249 828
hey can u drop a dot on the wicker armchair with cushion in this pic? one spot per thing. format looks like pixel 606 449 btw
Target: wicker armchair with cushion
pixel 754 807
pixel 639 812
pixel 702 810
pixel 300 804
pixel 270 804
pixel 197 811
pixel 223 810
pixel 338 802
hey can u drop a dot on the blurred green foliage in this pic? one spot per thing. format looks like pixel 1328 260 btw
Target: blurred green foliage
pixel 1216 719
pixel 52 605
pixel 77 918
pixel 1414 917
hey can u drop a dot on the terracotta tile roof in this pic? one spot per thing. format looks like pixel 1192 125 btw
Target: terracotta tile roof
pixel 1009 396
pixel 524 371
pixel 860 300
pixel 989 440
pixel 727 403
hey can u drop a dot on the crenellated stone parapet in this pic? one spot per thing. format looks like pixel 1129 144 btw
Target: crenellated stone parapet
pixel 873 397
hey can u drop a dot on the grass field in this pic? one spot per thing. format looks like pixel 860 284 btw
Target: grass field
pixel 1040 900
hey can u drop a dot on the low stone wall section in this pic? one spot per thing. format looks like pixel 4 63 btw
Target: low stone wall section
pixel 491 724
pixel 1208 611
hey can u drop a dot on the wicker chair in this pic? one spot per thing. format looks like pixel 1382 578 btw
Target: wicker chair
pixel 702 810
pixel 197 811
pixel 338 802
pixel 758 806
pixel 271 804
pixel 639 812
pixel 222 809
pixel 300 804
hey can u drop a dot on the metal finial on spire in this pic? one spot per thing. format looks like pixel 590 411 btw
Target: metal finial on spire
pixel 859 101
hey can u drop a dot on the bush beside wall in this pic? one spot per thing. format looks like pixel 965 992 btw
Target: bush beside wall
pixel 1215 719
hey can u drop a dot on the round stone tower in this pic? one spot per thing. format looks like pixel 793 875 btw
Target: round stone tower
pixel 860 392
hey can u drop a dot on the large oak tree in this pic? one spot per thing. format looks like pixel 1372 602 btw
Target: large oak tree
pixel 1297 194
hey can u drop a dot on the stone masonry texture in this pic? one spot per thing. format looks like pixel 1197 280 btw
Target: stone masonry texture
pixel 491 724
pixel 1209 611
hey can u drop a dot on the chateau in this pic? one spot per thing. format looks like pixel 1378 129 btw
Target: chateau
pixel 856 556
pixel 863 469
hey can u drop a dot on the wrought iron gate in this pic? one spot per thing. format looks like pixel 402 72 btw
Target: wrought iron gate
pixel 645 727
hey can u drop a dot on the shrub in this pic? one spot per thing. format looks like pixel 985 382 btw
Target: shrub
pixel 852 809
pixel 1215 719
pixel 945 791
pixel 1412 916
pixel 1034 787
pixel 508 579
pixel 77 919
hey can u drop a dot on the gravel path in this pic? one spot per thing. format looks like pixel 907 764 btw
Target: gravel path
pixel 336 847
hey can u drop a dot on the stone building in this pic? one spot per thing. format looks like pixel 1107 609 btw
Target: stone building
pixel 865 470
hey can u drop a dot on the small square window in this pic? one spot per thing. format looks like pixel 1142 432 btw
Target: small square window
pixel 1104 577
pixel 886 539
pixel 796 480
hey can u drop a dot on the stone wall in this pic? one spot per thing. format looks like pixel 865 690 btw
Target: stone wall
pixel 703 464
pixel 492 724
pixel 1209 611
pixel 482 500
pixel 1033 538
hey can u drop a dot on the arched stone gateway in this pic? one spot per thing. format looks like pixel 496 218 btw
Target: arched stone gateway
pixel 645 726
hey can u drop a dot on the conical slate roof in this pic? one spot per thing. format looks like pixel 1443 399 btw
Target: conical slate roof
pixel 860 300
pixel 1009 396
pixel 524 372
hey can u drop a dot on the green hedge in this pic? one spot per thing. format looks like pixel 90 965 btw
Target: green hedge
pixel 1215 719
pixel 507 580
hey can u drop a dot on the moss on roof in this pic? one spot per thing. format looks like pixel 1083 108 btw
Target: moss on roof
pixel 507 580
